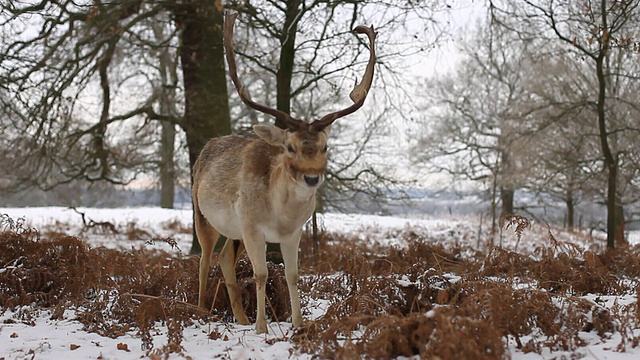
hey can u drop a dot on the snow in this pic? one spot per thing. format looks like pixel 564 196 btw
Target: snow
pixel 57 339
pixel 44 338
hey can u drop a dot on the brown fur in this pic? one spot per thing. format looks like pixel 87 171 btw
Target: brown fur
pixel 257 188
pixel 263 190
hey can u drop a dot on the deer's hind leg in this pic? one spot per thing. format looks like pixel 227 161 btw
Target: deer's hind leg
pixel 207 237
pixel 228 258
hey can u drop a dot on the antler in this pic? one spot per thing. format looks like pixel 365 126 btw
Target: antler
pixel 357 95
pixel 291 122
pixel 360 91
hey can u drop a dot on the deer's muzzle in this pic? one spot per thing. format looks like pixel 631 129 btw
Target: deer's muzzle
pixel 313 180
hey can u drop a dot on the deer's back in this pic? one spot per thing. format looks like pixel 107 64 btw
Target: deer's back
pixel 230 168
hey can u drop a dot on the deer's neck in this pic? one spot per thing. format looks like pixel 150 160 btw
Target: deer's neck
pixel 289 197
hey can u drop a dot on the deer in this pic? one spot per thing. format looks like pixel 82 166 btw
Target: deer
pixel 260 188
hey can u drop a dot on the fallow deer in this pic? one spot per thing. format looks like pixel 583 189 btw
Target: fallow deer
pixel 261 188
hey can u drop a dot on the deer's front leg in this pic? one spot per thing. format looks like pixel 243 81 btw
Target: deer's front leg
pixel 255 246
pixel 290 257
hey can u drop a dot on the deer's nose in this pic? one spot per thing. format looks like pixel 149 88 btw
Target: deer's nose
pixel 312 180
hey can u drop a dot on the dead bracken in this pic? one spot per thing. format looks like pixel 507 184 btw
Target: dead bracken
pixel 383 302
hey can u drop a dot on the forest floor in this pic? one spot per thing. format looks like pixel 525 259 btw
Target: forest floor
pixel 119 283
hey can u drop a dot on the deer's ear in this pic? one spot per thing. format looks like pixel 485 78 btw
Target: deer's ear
pixel 272 134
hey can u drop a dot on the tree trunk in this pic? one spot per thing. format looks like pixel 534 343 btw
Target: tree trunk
pixel 620 224
pixel 169 79
pixel 494 219
pixel 287 57
pixel 506 175
pixel 506 198
pixel 609 162
pixel 570 209
pixel 205 86
pixel 167 166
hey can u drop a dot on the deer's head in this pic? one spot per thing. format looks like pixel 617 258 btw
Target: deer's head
pixel 304 144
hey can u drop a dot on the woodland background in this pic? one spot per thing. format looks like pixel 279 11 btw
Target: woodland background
pixel 532 106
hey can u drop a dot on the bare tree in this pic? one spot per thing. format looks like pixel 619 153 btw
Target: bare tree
pixel 42 73
pixel 55 55
pixel 596 31
pixel 168 106
pixel 475 114
pixel 564 163
pixel 78 49
pixel 564 146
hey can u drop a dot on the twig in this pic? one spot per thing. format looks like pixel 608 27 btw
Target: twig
pixel 185 305
pixel 90 224
pixel 215 296
pixel 273 312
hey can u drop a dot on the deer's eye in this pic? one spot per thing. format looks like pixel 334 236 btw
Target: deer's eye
pixel 291 149
pixel 324 150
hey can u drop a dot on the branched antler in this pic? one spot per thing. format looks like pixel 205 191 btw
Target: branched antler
pixel 357 95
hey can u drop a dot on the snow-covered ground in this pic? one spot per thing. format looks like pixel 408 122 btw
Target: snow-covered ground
pixel 43 338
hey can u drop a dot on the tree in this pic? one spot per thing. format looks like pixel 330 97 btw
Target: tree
pixel 168 102
pixel 201 52
pixel 49 74
pixel 475 114
pixel 596 31
pixel 560 152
